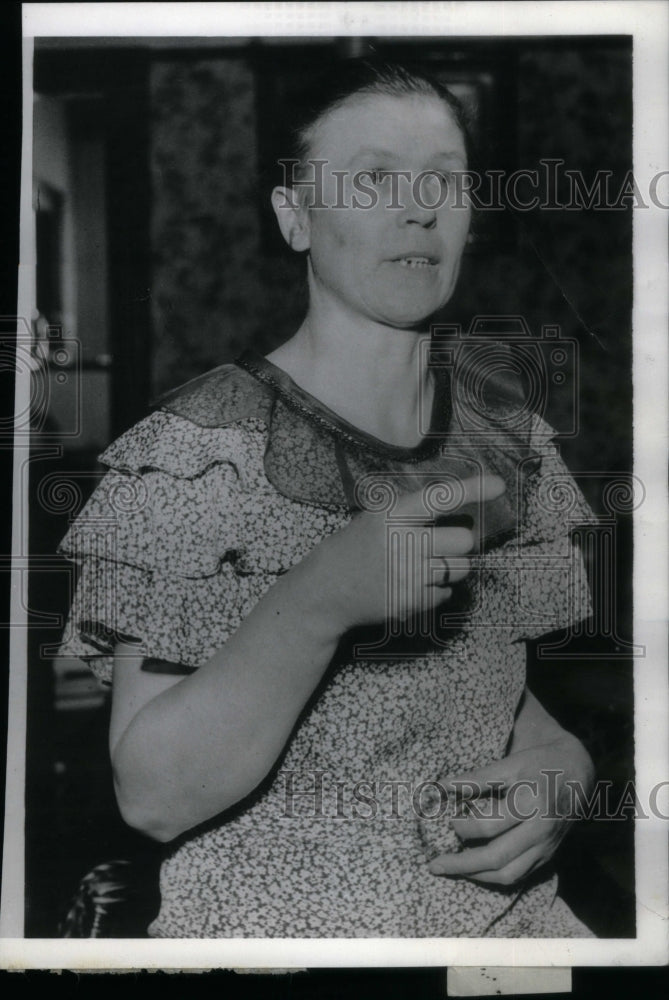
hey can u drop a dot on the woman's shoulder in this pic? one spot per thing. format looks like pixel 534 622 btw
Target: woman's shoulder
pixel 219 397
pixel 240 425
pixel 212 418
pixel 178 480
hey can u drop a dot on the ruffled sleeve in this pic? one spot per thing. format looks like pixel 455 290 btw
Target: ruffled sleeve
pixel 163 546
pixel 541 574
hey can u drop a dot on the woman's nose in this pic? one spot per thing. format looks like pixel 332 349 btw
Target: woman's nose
pixel 423 217
pixel 422 201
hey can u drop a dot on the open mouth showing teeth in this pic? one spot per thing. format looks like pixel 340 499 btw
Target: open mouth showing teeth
pixel 417 262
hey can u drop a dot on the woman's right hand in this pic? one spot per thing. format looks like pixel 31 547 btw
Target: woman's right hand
pixel 379 568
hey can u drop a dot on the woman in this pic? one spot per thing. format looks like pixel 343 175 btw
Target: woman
pixel 302 667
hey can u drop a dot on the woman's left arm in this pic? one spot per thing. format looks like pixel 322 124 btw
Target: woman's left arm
pixel 517 809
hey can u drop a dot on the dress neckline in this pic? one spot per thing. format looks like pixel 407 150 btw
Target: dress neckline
pixel 316 412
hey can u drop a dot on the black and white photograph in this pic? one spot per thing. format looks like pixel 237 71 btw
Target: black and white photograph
pixel 339 526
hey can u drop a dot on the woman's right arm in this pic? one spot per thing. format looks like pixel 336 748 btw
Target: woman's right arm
pixel 184 750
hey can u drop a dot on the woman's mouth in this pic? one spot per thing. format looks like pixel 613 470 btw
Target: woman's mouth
pixel 415 263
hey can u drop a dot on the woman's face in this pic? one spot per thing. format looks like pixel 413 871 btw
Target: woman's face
pixel 389 245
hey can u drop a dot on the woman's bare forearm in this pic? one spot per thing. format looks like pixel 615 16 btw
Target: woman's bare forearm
pixel 207 741
pixel 534 727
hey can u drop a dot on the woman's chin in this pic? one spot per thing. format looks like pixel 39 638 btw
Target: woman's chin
pixel 410 312
pixel 410 319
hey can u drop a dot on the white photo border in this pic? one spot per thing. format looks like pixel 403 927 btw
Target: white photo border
pixel 647 23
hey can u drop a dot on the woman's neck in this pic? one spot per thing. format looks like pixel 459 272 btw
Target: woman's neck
pixel 373 376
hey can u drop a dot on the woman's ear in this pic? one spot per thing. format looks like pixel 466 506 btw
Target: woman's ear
pixel 292 217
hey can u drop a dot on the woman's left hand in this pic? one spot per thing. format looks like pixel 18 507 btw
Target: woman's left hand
pixel 517 810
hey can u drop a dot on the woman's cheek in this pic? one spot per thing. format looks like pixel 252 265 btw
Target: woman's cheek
pixel 331 235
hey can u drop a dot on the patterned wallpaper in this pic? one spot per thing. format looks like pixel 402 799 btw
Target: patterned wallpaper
pixel 215 291
pixel 572 268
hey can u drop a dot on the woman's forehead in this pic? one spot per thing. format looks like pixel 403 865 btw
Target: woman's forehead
pixel 384 122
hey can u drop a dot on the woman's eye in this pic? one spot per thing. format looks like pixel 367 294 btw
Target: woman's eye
pixel 438 184
pixel 445 177
pixel 377 175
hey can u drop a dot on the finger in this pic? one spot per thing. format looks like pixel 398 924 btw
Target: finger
pixel 487 826
pixel 450 570
pixel 514 872
pixel 478 489
pixel 488 817
pixel 492 777
pixel 449 543
pixel 475 489
pixel 492 856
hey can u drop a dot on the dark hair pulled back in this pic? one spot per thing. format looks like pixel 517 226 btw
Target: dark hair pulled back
pixel 350 78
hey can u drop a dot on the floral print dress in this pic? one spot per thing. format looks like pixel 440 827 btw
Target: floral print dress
pixel 226 485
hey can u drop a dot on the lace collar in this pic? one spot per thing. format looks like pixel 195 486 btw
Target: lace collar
pixel 313 455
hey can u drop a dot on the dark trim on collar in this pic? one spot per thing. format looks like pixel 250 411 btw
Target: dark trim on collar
pixel 313 410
